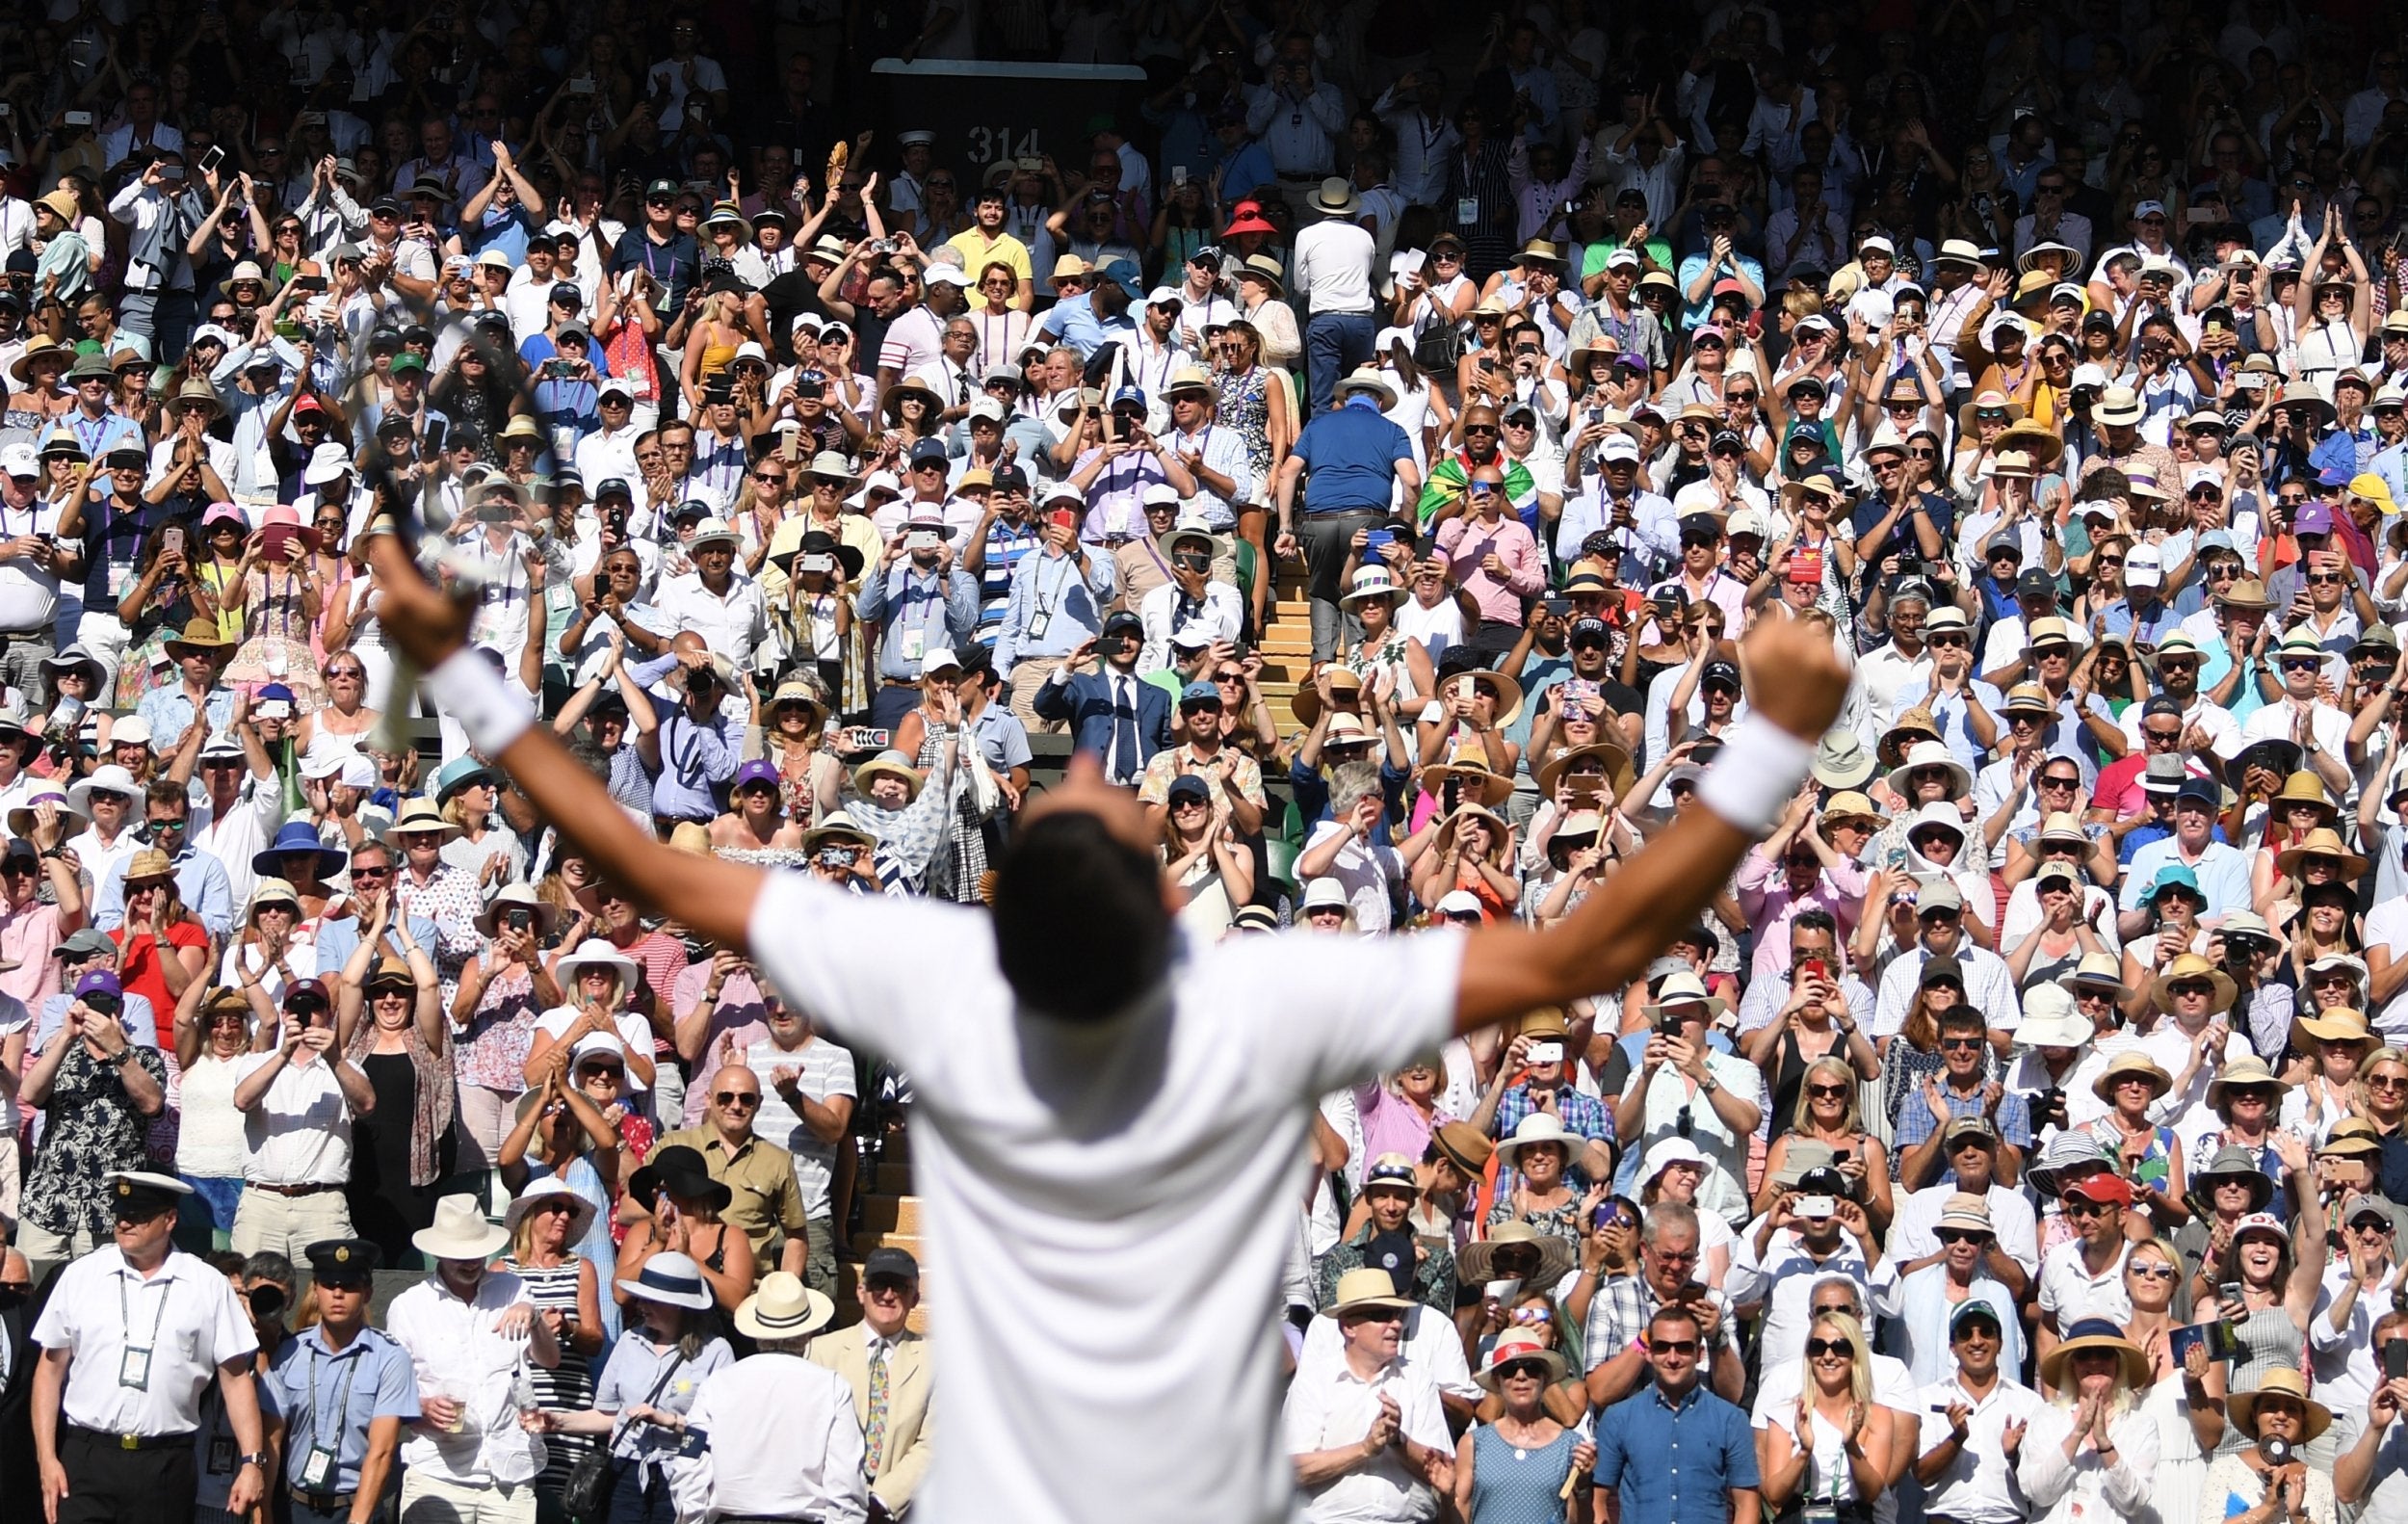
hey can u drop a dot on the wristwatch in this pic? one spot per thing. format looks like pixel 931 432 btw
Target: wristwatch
pixel 258 1459
pixel 1708 1085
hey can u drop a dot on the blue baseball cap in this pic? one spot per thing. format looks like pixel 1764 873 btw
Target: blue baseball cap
pixel 1199 694
pixel 1123 273
pixel 930 450
pixel 1134 394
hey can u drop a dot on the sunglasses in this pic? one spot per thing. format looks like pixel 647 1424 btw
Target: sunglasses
pixel 1959 1235
pixel 1817 1349
pixel 1673 1346
pixel 738 1097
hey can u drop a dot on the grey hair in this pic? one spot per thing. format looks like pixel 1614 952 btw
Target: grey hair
pixel 1669 1217
pixel 793 1345
pixel 1350 784
pixel 1855 1293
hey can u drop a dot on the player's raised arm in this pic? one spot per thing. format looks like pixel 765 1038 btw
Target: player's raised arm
pixel 708 894
pixel 1796 684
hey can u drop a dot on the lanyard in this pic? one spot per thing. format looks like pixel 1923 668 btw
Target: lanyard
pixel 159 1313
pixel 342 1394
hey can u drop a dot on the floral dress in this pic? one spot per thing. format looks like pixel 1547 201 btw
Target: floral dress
pixel 1563 1222
pixel 276 641
pixel 1244 408
pixel 139 670
pixel 2155 1166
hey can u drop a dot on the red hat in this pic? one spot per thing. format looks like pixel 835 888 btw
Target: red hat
pixel 2108 1189
pixel 1246 216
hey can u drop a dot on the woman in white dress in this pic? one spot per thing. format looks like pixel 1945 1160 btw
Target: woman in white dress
pixel 2185 1397
pixel 1831 1459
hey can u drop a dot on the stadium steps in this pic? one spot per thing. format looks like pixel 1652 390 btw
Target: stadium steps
pixel 890 1219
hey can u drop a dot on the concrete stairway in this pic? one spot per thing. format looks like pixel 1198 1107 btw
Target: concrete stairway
pixel 890 1219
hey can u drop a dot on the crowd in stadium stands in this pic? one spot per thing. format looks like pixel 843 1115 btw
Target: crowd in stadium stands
pixel 2023 1134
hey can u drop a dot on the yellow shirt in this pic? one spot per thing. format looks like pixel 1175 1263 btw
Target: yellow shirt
pixel 978 252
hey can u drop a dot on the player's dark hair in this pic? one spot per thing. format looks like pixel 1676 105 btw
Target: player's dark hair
pixel 1079 926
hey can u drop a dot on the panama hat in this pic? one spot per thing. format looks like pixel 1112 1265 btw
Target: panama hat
pixel 538 1192
pixel 419 814
pixel 1538 1127
pixel 460 1231
pixel 1478 1260
pixel 2280 1381
pixel 1850 804
pixel 107 779
pixel 1367 1287
pixel 672 1280
pixel 2190 965
pixel 2123 1063
pixel 1336 196
pixel 597 952
pixel 785 1309
pixel 1684 989
pixel 1914 725
pixel 2096 1334
pixel 2321 843
pixel 837 826
pixel 1370 378
pixel 1513 1348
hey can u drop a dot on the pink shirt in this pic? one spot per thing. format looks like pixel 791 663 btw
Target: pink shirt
pixel 27 937
pixel 1465 543
pixel 1766 901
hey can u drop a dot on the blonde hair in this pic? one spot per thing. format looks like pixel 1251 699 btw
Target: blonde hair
pixel 1860 1359
pixel 2388 1052
pixel 1801 1115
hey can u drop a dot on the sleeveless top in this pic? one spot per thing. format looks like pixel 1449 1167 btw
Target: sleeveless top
pixel 209 1145
pixel 1513 1484
pixel 2270 1341
pixel 1243 408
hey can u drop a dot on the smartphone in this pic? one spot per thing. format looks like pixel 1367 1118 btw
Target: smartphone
pixel 1814 968
pixel 1668 1025
pixel 171 171
pixel 1063 518
pixel 210 158
pixel 519 920
pixel 1813 1206
pixel 2395 1357
pixel 77 118
pixel 171 538
pixel 865 738
pixel 276 542
pixel 1559 607
pixel 1546 1053
pixel 437 430
pixel 1178 174
pixel 1377 540
pixel 2199 217
pixel 582 85
pixel 2229 1292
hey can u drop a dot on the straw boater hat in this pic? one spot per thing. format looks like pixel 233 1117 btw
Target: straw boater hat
pixel 1478 1260
pixel 2096 1334
pixel 460 1231
pixel 1514 1347
pixel 2123 1063
pixel 2190 965
pixel 1464 1145
pixel 785 1309
pixel 1915 724
pixel 1848 805
pixel 890 764
pixel 1476 782
pixel 418 814
pixel 201 634
pixel 2280 1381
pixel 1685 988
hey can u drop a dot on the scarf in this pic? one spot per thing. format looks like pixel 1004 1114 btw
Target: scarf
pixel 431 1095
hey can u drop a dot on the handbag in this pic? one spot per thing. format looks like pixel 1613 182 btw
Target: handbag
pixel 586 1496
pixel 1438 347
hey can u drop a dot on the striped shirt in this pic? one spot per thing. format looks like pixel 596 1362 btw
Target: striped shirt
pixel 824 1070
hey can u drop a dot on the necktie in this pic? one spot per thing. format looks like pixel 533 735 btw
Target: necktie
pixel 873 1432
pixel 1124 766
pixel 961 387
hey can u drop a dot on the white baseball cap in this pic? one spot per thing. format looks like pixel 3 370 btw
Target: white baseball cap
pixel 18 459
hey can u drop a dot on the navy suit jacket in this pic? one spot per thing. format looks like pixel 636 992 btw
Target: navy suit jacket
pixel 1085 703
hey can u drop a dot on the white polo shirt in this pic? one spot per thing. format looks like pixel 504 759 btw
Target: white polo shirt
pixel 1977 1488
pixel 185 1313
pixel 2068 1289
pixel 456 1352
pixel 29 595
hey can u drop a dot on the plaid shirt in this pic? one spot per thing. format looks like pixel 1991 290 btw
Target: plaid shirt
pixel 1915 1124
pixel 1580 1112
pixel 1618 1314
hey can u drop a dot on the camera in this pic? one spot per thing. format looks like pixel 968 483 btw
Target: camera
pixel 833 857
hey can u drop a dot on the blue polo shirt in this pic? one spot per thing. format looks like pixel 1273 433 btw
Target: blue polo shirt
pixel 322 1392
pixel 1675 1463
pixel 1351 455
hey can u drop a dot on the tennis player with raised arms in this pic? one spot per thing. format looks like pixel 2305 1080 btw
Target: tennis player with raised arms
pixel 1112 1122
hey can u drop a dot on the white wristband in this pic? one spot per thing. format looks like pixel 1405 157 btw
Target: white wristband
pixel 471 692
pixel 1755 775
